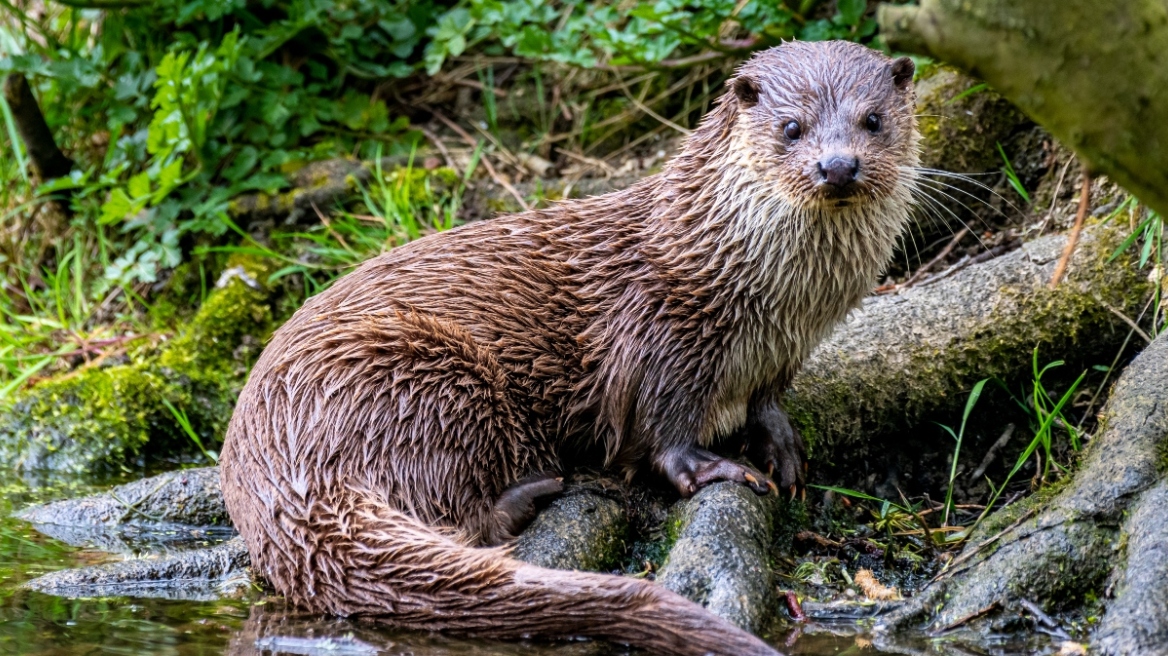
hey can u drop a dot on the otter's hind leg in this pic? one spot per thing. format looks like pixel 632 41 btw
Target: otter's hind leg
pixel 516 507
pixel 467 395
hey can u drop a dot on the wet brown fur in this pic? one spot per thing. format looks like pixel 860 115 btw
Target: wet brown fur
pixel 393 426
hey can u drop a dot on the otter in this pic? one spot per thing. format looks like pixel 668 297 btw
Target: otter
pixel 403 423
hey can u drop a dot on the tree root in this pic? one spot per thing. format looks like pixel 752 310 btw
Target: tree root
pixel 1059 551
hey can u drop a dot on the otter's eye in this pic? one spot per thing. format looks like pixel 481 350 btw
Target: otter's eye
pixel 872 122
pixel 793 130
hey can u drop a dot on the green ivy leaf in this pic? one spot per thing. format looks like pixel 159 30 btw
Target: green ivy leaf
pixel 851 11
pixel 139 185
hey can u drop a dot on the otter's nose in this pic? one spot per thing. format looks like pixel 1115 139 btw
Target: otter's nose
pixel 839 171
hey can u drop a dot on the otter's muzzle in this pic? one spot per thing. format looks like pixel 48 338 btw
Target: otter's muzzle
pixel 839 171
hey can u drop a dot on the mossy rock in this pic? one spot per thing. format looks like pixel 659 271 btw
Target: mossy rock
pixel 107 418
pixel 962 122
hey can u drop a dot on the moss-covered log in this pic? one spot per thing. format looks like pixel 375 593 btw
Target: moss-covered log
pixel 1092 73
pixel 1059 553
pixel 103 418
pixel 906 357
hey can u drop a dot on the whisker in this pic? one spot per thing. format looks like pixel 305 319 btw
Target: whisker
pixel 964 177
pixel 935 212
pixel 930 209
pixel 973 196
pixel 969 209
pixel 954 214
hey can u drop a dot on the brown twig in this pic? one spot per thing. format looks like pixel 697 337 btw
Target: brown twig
pixel 983 256
pixel 981 612
pixel 47 158
pixel 649 110
pixel 439 144
pixel 920 272
pixel 472 84
pixel 1054 197
pixel 952 569
pixel 824 542
pixel 1124 318
pixel 486 162
pixel 1073 240
pixel 992 453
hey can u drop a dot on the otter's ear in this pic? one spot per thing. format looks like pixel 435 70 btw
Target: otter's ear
pixel 746 90
pixel 902 72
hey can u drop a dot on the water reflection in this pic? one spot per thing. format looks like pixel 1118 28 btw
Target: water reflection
pixel 43 625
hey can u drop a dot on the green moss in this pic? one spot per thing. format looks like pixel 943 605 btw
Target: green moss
pixel 226 318
pixel 106 418
pixel 960 129
pixel 1000 520
pixel 790 518
pixel 804 421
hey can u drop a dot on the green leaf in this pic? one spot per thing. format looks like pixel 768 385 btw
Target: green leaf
pixel 973 397
pixel 851 11
pixel 169 177
pixel 400 29
pixel 139 185
pixel 245 160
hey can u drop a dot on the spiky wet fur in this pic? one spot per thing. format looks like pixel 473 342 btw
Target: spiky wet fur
pixel 391 411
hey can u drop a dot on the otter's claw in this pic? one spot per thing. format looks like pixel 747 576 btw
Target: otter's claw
pixel 775 445
pixel 690 469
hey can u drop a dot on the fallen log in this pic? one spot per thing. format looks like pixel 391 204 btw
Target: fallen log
pixel 1066 63
pixel 720 558
pixel 906 358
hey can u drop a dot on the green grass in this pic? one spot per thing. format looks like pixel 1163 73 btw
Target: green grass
pixel 1148 234
pixel 184 422
pixel 958 437
pixel 48 305
pixel 1012 176
pixel 396 207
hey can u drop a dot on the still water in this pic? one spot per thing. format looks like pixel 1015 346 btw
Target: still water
pixel 42 625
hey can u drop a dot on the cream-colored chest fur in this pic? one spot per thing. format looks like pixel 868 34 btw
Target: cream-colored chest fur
pixel 802 279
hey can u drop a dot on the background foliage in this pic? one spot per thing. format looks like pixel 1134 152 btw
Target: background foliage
pixel 172 108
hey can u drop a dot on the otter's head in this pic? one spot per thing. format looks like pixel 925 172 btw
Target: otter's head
pixel 829 124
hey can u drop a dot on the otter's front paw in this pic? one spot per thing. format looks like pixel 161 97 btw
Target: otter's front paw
pixel 690 469
pixel 777 447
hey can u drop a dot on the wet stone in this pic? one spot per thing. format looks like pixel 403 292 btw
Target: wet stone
pixel 583 529
pixel 195 575
pixel 189 497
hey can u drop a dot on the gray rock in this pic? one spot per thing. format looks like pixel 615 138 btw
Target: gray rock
pixel 189 497
pixel 195 575
pixel 1137 619
pixel 720 557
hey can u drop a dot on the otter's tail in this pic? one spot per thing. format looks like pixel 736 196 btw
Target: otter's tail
pixel 367 559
